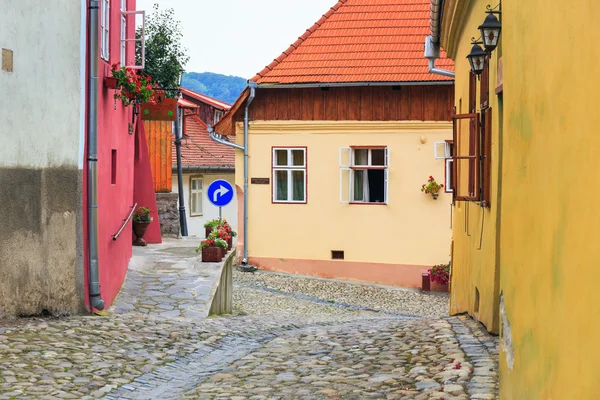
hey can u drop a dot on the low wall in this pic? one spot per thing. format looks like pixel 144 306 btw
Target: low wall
pixel 222 299
pixel 168 214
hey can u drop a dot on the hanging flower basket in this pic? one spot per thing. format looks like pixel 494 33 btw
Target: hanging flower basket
pixel 131 87
pixel 431 187
pixel 111 82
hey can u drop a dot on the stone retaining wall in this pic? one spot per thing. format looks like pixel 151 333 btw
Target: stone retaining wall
pixel 168 214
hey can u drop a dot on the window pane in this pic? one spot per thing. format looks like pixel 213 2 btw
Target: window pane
pixel 193 203
pixel 361 156
pixel 281 185
pixel 376 183
pixel 281 157
pixel 199 203
pixel 199 183
pixel 298 158
pixel 194 184
pixel 360 188
pixel 378 157
pixel 298 185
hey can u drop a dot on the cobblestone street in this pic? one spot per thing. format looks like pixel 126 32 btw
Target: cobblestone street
pixel 290 337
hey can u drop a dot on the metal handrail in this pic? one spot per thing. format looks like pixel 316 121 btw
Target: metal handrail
pixel 116 235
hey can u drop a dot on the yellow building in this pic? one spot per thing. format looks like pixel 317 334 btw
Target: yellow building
pixel 341 137
pixel 525 259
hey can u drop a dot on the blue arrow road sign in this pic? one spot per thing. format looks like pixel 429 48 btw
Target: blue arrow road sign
pixel 220 193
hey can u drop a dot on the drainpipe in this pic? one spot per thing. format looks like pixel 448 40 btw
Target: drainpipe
pixel 219 139
pixel 92 158
pixel 432 42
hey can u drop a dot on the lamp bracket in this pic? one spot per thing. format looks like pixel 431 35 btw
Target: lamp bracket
pixel 492 10
pixel 476 41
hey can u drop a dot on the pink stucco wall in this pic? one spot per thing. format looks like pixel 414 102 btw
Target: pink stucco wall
pixel 115 179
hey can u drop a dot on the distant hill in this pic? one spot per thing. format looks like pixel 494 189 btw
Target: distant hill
pixel 226 88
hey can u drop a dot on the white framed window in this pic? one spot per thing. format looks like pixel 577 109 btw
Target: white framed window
pixel 123 32
pixel 105 30
pixel 218 115
pixel 364 174
pixel 125 39
pixel 195 195
pixel 289 174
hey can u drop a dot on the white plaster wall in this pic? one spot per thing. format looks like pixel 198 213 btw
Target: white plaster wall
pixel 196 223
pixel 40 101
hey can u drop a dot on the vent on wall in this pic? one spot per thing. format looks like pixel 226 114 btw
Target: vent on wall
pixel 337 254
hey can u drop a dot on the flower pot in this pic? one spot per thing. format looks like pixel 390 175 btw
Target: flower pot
pixel 435 195
pixel 438 287
pixel 139 228
pixel 211 254
pixel 229 243
pixel 110 82
pixel 207 231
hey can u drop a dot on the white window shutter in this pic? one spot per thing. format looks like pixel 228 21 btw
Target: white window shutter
pixel 345 184
pixel 386 175
pixel 142 39
pixel 345 159
pixel 387 157
pixel 440 150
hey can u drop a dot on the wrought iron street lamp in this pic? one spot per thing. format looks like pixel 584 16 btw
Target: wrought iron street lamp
pixel 477 58
pixel 490 30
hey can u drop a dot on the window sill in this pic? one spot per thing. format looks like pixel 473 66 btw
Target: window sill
pixel 196 215
pixel 368 203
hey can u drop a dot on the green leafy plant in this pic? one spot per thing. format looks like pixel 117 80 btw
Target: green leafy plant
pixel 440 273
pixel 431 187
pixel 165 55
pixel 132 87
pixel 142 214
pixel 213 223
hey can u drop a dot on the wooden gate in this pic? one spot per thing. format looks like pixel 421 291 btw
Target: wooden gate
pixel 160 137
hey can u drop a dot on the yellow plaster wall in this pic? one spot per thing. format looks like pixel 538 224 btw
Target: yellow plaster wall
pixel 549 255
pixel 474 233
pixel 412 229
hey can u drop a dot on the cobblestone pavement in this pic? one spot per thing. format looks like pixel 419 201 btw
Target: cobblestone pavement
pixel 289 338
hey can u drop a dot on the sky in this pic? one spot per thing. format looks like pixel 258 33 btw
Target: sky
pixel 239 37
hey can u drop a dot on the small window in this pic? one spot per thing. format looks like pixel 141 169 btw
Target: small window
pixel 105 30
pixel 123 32
pixel 289 175
pixel 113 167
pixel 337 254
pixel 364 175
pixel 196 195
pixel 218 115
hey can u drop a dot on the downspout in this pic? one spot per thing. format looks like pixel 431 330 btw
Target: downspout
pixel 432 42
pixel 92 159
pixel 218 138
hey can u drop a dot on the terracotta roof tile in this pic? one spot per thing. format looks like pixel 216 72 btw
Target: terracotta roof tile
pixel 198 150
pixel 360 41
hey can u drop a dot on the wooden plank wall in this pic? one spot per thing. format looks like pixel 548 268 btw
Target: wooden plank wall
pixel 159 136
pixel 367 103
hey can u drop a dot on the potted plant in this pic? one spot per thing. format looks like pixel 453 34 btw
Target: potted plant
pixel 431 187
pixel 220 236
pixel 210 251
pixel 132 88
pixel 141 220
pixel 440 274
pixel 209 226
pixel 230 233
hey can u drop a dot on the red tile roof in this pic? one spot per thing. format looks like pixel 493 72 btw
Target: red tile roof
pixel 360 41
pixel 198 150
pixel 205 99
pixel 183 103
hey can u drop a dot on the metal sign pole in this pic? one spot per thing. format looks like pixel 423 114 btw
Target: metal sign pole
pixel 220 213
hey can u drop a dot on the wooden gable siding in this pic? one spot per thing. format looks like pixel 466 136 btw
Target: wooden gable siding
pixel 160 136
pixel 205 112
pixel 368 103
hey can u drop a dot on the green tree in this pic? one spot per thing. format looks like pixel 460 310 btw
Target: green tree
pixel 165 55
